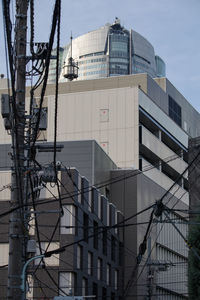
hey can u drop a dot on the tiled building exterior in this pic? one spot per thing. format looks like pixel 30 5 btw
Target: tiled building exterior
pixel 92 265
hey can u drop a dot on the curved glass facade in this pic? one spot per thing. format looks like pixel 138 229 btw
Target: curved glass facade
pixel 118 50
pixel 160 67
pixel 110 51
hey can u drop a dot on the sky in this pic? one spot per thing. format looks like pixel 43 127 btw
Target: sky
pixel 171 26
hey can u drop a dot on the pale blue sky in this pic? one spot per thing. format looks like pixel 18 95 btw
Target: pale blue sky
pixel 171 26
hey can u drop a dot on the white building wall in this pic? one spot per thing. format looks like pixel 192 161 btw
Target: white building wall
pixel 81 117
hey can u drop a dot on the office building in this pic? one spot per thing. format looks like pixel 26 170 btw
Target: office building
pixel 143 125
pixel 111 50
pixel 125 188
pixel 92 261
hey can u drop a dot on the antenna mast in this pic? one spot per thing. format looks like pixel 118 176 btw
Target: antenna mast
pixel 71 69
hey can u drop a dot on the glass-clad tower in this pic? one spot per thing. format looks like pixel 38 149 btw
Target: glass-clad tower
pixel 118 52
pixel 111 50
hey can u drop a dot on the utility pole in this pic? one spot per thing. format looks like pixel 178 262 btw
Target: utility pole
pixel 17 229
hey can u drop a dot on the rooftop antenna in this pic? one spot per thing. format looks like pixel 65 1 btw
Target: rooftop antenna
pixel 71 42
pixel 71 69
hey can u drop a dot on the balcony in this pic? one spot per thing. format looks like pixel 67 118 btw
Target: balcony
pixel 164 181
pixel 164 153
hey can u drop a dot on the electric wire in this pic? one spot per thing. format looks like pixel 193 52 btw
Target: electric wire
pixel 111 181
pixel 57 18
pixel 103 227
pixel 149 255
pixel 151 220
pixel 47 63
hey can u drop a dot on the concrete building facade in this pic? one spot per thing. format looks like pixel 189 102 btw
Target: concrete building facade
pixel 130 191
pixel 137 120
pixel 143 124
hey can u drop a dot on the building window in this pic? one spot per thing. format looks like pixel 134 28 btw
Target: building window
pixel 79 257
pixel 90 263
pixel 105 237
pixel 99 206
pixel 82 191
pixel 90 200
pixel 5 180
pixel 99 268
pixel 4 250
pixel 113 248
pixel 108 274
pixel 107 191
pixel 116 222
pixel 95 290
pixel 32 223
pixel 112 296
pixel 66 283
pixel 29 293
pixel 85 225
pixel 121 253
pixel 92 204
pixel 68 220
pixel 52 260
pixel 104 293
pixel 84 287
pixel 79 188
pixel 116 279
pixel 175 111
pixel 108 214
pixel 96 235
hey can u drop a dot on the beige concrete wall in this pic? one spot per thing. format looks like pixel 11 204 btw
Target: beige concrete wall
pixel 97 84
pixel 108 116
pixel 161 82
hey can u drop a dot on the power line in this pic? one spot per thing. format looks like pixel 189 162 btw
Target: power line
pixel 130 174
pixel 142 248
pixel 44 201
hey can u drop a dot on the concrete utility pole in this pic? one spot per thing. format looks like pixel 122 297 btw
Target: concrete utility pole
pixel 17 230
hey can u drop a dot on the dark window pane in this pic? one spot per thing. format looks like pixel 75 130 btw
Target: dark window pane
pixel 85 227
pixel 175 111
pixel 105 242
pixel 96 235
pixel 113 248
